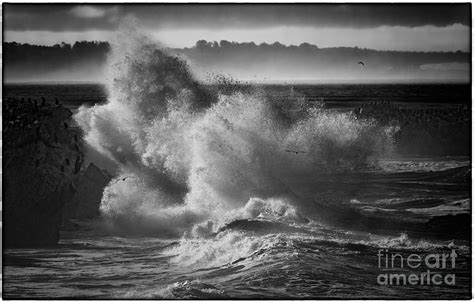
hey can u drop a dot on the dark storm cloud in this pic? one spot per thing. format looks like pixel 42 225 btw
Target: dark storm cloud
pixel 66 17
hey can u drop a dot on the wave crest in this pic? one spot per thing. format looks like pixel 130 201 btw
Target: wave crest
pixel 187 154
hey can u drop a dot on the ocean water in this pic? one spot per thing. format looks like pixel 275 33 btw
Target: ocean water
pixel 217 196
pixel 341 96
pixel 272 255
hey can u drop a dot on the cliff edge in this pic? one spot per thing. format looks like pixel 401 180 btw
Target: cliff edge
pixel 42 153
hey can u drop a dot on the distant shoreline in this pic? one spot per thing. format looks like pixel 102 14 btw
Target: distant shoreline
pixel 279 82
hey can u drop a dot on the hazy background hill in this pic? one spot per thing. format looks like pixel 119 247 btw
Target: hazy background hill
pixel 84 61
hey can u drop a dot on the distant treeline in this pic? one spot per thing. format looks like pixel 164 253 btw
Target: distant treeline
pixel 311 53
pixel 250 60
pixel 26 61
pixel 308 61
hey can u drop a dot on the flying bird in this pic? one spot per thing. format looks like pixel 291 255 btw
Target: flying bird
pixel 361 63
pixel 122 179
pixel 295 151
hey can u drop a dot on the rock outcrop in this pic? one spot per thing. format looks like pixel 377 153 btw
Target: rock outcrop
pixel 89 187
pixel 42 152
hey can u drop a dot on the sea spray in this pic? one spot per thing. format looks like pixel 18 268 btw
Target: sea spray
pixel 188 155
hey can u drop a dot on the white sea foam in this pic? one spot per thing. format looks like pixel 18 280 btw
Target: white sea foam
pixel 188 155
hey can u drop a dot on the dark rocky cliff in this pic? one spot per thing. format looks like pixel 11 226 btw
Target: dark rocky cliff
pixel 42 152
pixel 89 187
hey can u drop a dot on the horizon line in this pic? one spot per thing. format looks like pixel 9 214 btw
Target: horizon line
pixel 249 42
pixel 267 82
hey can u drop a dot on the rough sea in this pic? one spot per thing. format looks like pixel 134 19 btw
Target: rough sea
pixel 223 198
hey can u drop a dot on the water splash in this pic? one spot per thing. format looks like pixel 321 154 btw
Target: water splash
pixel 187 154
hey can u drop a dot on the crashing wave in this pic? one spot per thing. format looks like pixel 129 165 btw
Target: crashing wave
pixel 187 154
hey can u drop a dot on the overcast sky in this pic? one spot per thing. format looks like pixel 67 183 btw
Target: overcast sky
pixel 418 27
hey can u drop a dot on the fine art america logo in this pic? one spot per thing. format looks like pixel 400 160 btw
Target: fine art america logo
pixel 415 269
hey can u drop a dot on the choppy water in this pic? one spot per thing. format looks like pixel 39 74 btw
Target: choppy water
pixel 273 255
pixel 335 96
pixel 217 196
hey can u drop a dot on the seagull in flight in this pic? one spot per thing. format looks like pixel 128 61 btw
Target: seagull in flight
pixel 122 179
pixel 361 63
pixel 295 151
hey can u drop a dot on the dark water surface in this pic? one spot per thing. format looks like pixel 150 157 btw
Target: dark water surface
pixel 72 95
pixel 336 95
pixel 270 257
